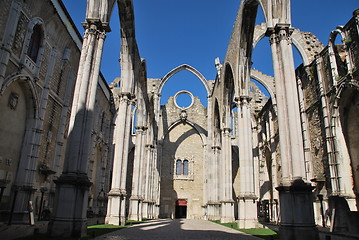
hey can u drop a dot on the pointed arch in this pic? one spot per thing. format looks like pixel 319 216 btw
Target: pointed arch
pixel 29 89
pixel 179 69
pixel 261 3
pixel 230 88
pixel 300 40
pixel 34 44
pixel 264 80
pixel 201 132
pixel 340 64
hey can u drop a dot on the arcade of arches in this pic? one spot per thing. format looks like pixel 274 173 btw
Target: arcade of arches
pixel 78 149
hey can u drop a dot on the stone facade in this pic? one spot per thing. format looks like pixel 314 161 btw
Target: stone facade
pixel 36 99
pixel 77 147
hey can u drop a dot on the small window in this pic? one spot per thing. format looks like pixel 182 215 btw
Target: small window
pixel 178 167
pixel 35 42
pixel 185 167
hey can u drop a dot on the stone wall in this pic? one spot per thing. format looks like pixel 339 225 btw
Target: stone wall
pixel 183 142
pixel 37 123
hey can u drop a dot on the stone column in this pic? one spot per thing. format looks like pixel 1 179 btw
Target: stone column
pixel 247 207
pixel 227 203
pixel 208 165
pixel 296 200
pixel 136 198
pixel 213 204
pixel 72 186
pixel 117 194
pixel 147 181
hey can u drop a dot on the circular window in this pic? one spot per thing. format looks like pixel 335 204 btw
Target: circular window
pixel 183 99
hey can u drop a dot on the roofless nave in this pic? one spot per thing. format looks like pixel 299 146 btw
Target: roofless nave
pixel 78 148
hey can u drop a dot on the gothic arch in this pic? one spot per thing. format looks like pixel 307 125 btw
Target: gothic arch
pixel 217 137
pixel 40 49
pixel 339 66
pixel 179 69
pixel 266 81
pixel 302 41
pixel 29 89
pixel 201 132
pixel 229 84
pixel 260 3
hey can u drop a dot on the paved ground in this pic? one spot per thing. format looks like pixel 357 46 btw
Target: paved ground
pixel 184 229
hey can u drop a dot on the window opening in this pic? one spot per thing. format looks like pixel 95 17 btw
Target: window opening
pixel 185 167
pixel 35 43
pixel 178 167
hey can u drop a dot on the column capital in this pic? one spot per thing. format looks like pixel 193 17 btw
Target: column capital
pixel 125 97
pixel 226 131
pixel 244 98
pixel 141 129
pixel 280 32
pixel 150 146
pixel 97 23
pixel 216 147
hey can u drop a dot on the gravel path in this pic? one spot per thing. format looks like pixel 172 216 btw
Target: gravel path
pixel 175 230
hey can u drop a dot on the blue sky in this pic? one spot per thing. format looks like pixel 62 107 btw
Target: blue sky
pixel 170 33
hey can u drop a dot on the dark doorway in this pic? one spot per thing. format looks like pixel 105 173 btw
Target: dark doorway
pixel 181 208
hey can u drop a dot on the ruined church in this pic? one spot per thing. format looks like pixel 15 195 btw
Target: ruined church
pixel 74 148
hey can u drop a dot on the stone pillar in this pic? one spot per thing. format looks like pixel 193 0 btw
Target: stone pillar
pixel 136 197
pixel 116 213
pixel 296 200
pixel 227 203
pixel 147 181
pixel 72 186
pixel 209 165
pixel 247 207
pixel 213 204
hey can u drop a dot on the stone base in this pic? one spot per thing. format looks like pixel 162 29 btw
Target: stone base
pixel 297 213
pixel 227 212
pixel 145 210
pixel 113 220
pixel 298 233
pixel 247 213
pixel 67 228
pixel 70 206
pixel 213 211
pixel 116 208
pixel 135 210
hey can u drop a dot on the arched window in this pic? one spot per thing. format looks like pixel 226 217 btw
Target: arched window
pixel 35 42
pixel 185 167
pixel 178 167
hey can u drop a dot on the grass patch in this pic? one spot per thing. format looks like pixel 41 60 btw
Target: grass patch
pixel 98 230
pixel 263 233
